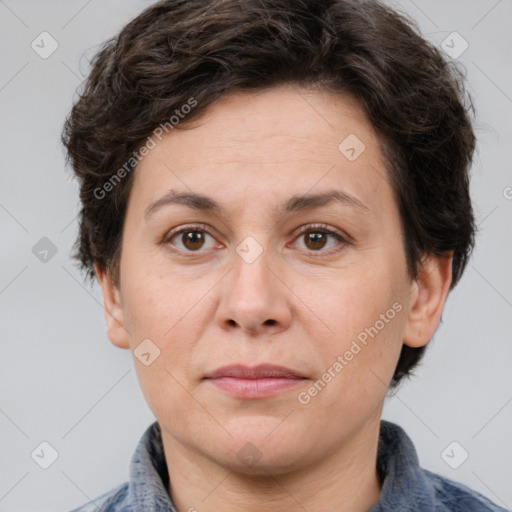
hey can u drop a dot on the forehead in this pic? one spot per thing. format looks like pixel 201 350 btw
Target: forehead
pixel 269 144
pixel 286 116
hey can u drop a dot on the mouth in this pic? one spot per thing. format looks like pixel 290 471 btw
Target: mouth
pixel 261 381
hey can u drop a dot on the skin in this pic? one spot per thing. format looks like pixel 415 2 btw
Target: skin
pixel 297 305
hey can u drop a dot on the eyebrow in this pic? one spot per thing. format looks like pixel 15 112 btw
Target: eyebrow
pixel 296 203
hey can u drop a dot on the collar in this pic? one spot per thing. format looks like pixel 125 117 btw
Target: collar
pixel 405 486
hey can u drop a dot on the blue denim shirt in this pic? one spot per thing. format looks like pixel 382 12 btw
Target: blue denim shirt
pixel 406 486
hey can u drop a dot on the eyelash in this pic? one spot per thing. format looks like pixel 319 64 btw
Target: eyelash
pixel 310 228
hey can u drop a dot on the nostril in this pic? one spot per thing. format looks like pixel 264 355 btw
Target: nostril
pixel 270 322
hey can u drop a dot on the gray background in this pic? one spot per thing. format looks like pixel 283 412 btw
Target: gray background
pixel 62 381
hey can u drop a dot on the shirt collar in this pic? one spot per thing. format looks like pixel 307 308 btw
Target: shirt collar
pixel 149 475
pixel 405 486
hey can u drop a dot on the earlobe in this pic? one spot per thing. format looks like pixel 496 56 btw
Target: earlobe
pixel 113 309
pixel 428 296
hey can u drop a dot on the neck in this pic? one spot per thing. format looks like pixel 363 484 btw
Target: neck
pixel 345 480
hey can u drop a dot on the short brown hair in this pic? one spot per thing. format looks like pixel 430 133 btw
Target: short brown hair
pixel 176 50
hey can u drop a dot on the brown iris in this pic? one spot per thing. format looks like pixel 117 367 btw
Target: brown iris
pixel 316 240
pixel 193 240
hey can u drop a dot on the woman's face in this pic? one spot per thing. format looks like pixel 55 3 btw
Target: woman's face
pixel 267 234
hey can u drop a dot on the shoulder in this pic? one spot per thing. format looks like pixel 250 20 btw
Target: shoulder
pixel 407 486
pixel 454 496
pixel 115 500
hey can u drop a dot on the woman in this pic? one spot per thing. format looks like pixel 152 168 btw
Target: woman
pixel 276 205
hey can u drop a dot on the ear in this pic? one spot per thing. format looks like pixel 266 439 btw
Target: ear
pixel 113 309
pixel 428 296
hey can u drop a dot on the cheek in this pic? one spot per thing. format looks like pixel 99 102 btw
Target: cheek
pixel 154 298
pixel 358 361
pixel 163 309
pixel 169 309
pixel 346 305
pixel 360 316
pixel 149 308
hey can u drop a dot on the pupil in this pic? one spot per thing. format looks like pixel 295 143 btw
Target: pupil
pixel 193 239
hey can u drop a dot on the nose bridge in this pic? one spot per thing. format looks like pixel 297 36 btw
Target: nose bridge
pixel 251 274
pixel 253 299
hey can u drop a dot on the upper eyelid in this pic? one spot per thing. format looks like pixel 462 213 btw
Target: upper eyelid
pixel 187 227
pixel 301 229
pixel 319 227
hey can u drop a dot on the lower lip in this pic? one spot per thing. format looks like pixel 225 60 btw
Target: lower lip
pixel 255 388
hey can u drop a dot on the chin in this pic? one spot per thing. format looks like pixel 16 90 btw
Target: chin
pixel 259 448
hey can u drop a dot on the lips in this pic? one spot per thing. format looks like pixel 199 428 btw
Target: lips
pixel 262 371
pixel 256 382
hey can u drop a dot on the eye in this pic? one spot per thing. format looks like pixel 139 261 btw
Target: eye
pixel 320 237
pixel 191 239
pixel 312 238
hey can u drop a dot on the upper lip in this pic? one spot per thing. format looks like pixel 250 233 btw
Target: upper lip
pixel 261 371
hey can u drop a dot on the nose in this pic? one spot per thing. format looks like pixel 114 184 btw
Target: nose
pixel 254 299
